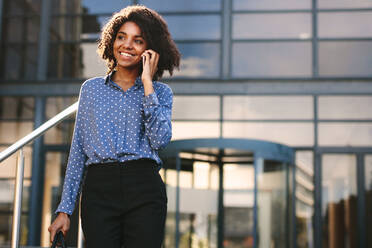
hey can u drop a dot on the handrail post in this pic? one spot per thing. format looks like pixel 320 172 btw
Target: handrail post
pixel 80 231
pixel 17 207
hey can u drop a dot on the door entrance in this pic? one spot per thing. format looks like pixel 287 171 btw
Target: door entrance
pixel 229 193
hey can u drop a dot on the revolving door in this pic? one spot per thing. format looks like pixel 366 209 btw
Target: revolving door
pixel 229 193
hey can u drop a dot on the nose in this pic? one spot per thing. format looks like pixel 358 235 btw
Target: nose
pixel 128 44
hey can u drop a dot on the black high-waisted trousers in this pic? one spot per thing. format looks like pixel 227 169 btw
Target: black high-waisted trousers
pixel 124 205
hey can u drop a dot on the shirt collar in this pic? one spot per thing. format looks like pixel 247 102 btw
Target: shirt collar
pixel 138 82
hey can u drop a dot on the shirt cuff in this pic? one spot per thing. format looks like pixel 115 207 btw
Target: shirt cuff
pixel 150 100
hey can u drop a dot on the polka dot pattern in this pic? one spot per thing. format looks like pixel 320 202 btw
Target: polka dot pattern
pixel 115 125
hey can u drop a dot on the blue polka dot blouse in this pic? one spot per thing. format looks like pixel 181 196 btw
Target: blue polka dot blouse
pixel 115 125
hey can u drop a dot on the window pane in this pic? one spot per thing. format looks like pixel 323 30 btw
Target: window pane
pixel 93 65
pixel 199 60
pixel 345 107
pixel 343 24
pixel 272 59
pixel 196 107
pixel 92 26
pixel 339 200
pixel 368 197
pixel 345 134
pixel 347 4
pixel 345 58
pixel 8 167
pixel 13 61
pixel 19 108
pixel 292 134
pixel 14 29
pixel 270 4
pixel 267 107
pixel 194 27
pixel 30 7
pixel 182 5
pixel 192 130
pixel 68 7
pixel 30 62
pixel 65 61
pixel 12 131
pixel 109 6
pixel 33 28
pixel 289 25
pixel 61 133
pixel 65 29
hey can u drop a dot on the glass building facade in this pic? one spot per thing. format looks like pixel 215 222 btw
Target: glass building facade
pixel 272 121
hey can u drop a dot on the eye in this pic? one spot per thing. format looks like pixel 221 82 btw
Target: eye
pixel 139 42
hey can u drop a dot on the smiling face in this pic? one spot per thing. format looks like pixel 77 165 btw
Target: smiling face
pixel 129 45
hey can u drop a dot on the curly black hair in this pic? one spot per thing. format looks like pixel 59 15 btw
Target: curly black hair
pixel 155 32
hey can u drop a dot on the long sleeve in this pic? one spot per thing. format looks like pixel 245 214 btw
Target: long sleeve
pixel 157 116
pixel 75 164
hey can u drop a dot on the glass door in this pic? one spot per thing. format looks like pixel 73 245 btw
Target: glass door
pixel 238 199
pixel 274 193
pixel 339 201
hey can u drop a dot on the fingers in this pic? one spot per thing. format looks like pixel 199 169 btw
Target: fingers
pixel 152 58
pixel 52 234
pixel 61 223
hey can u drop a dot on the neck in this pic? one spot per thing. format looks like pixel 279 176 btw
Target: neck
pixel 124 75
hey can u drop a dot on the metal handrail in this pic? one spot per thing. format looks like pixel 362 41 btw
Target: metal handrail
pixel 20 170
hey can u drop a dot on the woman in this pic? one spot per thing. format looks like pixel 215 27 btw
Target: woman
pixel 123 119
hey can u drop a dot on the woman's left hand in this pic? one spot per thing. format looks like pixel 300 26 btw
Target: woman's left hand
pixel 150 60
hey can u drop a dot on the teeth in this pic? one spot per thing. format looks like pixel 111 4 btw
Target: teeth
pixel 126 54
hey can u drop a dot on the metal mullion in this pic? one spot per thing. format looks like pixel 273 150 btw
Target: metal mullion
pixel 197 41
pixel 56 148
pixel 9 144
pixel 269 120
pixel 271 40
pixel 177 217
pixel 347 121
pixel 20 15
pixel 279 11
pixel 345 39
pixel 38 173
pixel 221 120
pixel 226 27
pixel 19 43
pixel 189 13
pixel 333 150
pixel 314 38
pixel 1 21
pixel 317 200
pixel 64 42
pixel 293 214
pixel 344 10
pixel 361 201
pixel 17 120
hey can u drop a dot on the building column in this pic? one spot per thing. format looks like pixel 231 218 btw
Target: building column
pixel 1 19
pixel 38 160
pixel 37 178
pixel 221 208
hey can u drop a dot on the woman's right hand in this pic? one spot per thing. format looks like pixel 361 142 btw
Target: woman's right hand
pixel 61 223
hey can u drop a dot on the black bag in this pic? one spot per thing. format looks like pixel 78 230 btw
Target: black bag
pixel 58 238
